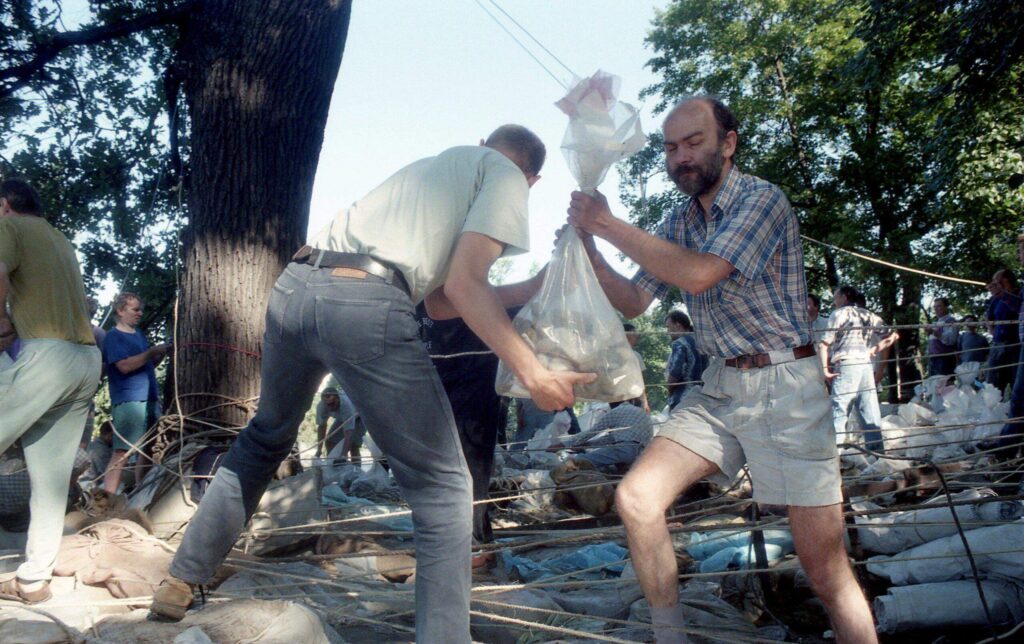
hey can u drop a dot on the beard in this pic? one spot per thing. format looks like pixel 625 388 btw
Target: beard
pixel 705 174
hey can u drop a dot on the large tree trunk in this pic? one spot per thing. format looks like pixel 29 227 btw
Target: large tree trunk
pixel 258 78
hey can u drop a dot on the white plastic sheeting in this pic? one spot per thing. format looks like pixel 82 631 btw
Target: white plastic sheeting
pixel 898 531
pixel 241 620
pixel 996 551
pixel 949 603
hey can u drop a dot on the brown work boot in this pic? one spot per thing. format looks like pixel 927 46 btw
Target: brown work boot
pixel 172 599
pixel 12 590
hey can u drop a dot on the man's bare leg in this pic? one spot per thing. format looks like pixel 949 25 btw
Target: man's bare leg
pixel 112 477
pixel 660 475
pixel 818 536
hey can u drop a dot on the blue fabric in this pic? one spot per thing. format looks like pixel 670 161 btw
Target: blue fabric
pixel 685 364
pixel 973 347
pixel 718 551
pixel 128 387
pixel 855 384
pixel 610 554
pixel 131 420
pixel 1003 308
pixel 762 305
pixel 1011 433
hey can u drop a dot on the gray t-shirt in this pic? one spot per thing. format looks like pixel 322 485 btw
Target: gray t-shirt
pixel 414 219
pixel 343 416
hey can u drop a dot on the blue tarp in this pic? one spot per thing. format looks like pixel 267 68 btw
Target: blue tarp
pixel 719 550
pixel 608 555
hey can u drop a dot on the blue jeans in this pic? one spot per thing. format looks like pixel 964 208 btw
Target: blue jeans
pixel 1010 437
pixel 534 419
pixel 1001 367
pixel 609 458
pixel 365 333
pixel 855 385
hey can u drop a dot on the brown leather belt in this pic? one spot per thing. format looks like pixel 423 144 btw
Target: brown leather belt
pixel 758 360
pixel 358 262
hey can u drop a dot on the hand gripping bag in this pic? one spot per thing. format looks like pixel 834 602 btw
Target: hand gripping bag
pixel 571 326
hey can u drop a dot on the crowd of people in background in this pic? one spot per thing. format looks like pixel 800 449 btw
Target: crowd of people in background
pixel 855 347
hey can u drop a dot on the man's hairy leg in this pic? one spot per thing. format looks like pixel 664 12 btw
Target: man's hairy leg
pixel 818 536
pixel 661 474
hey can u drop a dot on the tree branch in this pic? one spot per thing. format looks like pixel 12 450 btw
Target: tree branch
pixel 18 76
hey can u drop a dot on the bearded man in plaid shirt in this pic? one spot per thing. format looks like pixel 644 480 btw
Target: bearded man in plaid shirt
pixel 733 249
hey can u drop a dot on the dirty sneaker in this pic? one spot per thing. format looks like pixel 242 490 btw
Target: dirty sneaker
pixel 172 599
pixel 16 590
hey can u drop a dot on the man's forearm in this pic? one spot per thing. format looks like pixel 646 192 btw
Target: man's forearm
pixel 476 302
pixel 135 362
pixel 823 355
pixel 671 263
pixel 440 307
pixel 620 290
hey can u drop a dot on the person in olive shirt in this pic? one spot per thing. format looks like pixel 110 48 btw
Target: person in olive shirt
pixel 45 393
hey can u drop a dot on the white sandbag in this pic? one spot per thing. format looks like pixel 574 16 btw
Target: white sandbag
pixel 996 551
pixel 946 604
pixel 570 325
pixel 877 532
pixel 536 487
pixel 516 604
pixel 915 414
pixel 592 412
pixel 241 621
pixel 293 501
pixel 193 635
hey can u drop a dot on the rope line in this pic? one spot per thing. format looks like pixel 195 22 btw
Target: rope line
pixel 905 269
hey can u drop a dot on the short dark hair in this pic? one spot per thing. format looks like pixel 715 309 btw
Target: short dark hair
pixel 944 300
pixel 21 196
pixel 628 327
pixel 848 292
pixel 680 318
pixel 861 300
pixel 1009 275
pixel 519 139
pixel 970 318
pixel 814 298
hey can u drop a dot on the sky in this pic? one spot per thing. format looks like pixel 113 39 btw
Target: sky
pixel 419 77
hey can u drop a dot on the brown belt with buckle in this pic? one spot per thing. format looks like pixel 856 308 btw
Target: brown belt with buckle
pixel 357 265
pixel 758 360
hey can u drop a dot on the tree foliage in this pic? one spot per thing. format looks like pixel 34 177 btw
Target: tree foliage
pixel 87 125
pixel 893 126
pixel 96 96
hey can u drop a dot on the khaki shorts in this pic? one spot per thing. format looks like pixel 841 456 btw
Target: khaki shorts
pixel 776 419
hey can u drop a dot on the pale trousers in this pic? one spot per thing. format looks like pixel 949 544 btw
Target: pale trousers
pixel 44 400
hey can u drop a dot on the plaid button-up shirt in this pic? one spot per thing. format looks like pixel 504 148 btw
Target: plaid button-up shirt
pixel 852 331
pixel 762 305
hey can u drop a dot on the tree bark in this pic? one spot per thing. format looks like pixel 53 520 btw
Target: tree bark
pixel 258 79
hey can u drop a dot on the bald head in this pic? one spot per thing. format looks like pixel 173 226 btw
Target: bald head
pixel 725 120
pixel 698 153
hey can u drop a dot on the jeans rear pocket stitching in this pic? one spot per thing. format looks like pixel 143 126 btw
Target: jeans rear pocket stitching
pixel 370 344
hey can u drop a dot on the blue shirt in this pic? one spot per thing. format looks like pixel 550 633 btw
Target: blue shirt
pixel 138 385
pixel 1002 308
pixel 762 305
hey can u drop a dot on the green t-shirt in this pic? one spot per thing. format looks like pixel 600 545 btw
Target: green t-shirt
pixel 47 297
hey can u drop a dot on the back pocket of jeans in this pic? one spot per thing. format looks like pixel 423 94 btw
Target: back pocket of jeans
pixel 276 306
pixel 352 330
